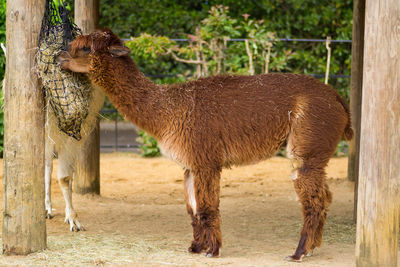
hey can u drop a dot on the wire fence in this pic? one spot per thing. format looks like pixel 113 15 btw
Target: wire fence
pixel 280 39
pixel 116 135
pixel 115 143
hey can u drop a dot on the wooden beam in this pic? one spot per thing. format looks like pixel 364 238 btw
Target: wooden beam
pixel 24 223
pixel 357 57
pixel 87 15
pixel 87 174
pixel 379 177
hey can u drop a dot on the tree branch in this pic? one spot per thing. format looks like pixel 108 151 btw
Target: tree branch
pixel 188 61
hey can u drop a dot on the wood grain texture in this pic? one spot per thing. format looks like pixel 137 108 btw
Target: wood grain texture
pixel 379 176
pixel 24 225
pixel 357 57
pixel 87 15
pixel 87 175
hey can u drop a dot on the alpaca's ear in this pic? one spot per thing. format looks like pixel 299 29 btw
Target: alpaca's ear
pixel 119 50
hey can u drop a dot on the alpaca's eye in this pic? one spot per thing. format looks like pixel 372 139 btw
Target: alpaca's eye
pixel 86 49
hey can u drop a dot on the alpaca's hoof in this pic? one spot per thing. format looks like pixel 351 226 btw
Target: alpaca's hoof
pixel 211 253
pixel 196 248
pixel 76 228
pixel 294 259
pixel 49 215
pixel 74 225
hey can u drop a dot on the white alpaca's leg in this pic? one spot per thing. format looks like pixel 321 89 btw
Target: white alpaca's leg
pixel 65 171
pixel 49 154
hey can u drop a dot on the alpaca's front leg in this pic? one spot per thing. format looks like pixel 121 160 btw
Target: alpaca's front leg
pixel 49 154
pixel 202 198
pixel 198 244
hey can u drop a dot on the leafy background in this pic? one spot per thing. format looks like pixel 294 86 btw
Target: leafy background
pixel 286 18
pixel 176 19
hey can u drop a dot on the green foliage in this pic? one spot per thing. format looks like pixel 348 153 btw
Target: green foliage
pixel 260 21
pixel 218 24
pixel 210 45
pixel 2 69
pixel 161 17
pixel 149 47
pixel 342 149
pixel 209 42
pixel 148 145
pixel 2 37
pixel 286 18
pixel 69 7
pixel 69 4
pixel 150 54
pixel 1 124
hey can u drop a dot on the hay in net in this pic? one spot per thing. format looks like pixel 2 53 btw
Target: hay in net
pixel 67 93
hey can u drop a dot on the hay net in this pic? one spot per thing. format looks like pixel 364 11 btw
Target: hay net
pixel 66 92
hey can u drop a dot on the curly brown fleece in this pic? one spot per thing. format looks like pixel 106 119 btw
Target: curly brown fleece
pixel 226 120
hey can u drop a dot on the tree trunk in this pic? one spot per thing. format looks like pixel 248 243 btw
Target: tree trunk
pixel 24 223
pixel 87 174
pixel 379 176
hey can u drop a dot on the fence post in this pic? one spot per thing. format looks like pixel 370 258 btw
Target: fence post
pixel 379 177
pixel 87 174
pixel 328 57
pixel 24 223
pixel 357 56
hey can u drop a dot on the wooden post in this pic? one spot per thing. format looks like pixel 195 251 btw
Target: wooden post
pixel 24 223
pixel 379 177
pixel 357 55
pixel 87 174
pixel 87 15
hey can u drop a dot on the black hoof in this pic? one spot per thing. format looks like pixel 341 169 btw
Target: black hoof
pixel 195 248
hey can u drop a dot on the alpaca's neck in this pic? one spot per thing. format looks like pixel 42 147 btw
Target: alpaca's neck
pixel 134 95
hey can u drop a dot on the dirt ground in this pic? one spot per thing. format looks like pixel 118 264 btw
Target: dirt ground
pixel 140 218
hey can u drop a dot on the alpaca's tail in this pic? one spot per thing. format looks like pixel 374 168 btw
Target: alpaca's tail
pixel 348 131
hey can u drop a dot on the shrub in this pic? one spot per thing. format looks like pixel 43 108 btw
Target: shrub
pixel 148 145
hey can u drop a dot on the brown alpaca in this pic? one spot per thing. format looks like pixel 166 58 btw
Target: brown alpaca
pixel 216 122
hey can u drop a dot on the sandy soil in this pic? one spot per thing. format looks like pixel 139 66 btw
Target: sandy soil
pixel 140 218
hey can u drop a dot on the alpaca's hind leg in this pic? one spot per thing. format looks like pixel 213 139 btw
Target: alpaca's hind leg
pixel 311 144
pixel 327 196
pixel 204 210
pixel 314 197
pixel 65 171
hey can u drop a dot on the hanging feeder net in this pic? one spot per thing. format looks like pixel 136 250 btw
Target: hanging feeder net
pixel 66 92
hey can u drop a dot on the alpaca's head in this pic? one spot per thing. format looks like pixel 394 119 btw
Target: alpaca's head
pixel 103 43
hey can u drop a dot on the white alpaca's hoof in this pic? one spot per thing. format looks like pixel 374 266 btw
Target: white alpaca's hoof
pixel 49 215
pixel 74 224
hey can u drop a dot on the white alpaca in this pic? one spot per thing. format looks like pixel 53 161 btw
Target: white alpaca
pixel 67 149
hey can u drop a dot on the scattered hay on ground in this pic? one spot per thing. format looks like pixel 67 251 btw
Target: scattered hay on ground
pixel 140 219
